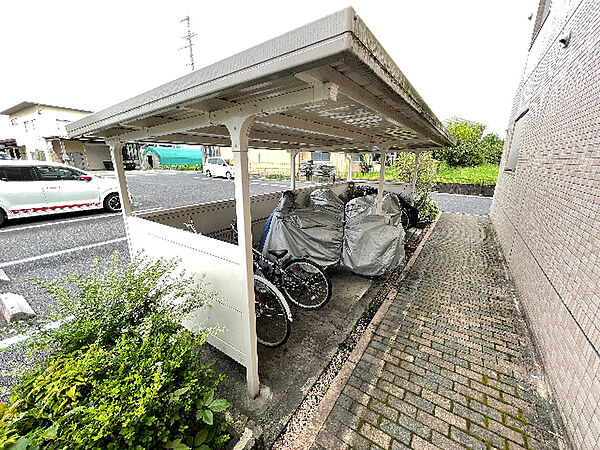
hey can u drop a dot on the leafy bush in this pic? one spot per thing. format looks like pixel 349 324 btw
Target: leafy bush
pixel 275 176
pixel 428 208
pixel 404 165
pixel 197 167
pixel 492 148
pixel 365 165
pixel 472 147
pixel 118 298
pixel 121 373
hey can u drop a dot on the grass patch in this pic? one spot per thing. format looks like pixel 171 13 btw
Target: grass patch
pixel 484 174
pixel 390 174
pixel 197 167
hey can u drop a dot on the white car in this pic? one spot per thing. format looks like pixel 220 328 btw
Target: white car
pixel 37 188
pixel 219 167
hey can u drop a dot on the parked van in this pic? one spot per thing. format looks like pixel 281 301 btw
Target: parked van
pixel 38 188
pixel 219 167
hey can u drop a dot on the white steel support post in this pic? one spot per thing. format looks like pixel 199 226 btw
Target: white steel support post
pixel 238 129
pixel 414 177
pixel 116 154
pixel 350 159
pixel 381 184
pixel 293 154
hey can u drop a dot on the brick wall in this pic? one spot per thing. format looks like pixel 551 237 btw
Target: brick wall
pixel 547 212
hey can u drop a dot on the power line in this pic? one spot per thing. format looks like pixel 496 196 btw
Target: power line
pixel 188 37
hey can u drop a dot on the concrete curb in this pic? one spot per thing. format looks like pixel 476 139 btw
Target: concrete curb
pixel 14 307
pixel 308 436
pixel 4 278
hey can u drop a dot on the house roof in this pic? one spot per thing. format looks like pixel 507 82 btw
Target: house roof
pixel 23 105
pixel 327 85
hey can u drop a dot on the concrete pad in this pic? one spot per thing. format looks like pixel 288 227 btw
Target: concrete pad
pixel 288 372
pixel 4 278
pixel 14 307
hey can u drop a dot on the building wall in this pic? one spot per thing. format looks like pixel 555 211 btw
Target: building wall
pixel 547 212
pixel 268 162
pixel 42 121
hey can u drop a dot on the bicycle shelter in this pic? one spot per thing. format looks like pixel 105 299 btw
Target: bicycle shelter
pixel 327 86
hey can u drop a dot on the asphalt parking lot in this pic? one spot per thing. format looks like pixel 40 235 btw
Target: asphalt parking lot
pixel 56 246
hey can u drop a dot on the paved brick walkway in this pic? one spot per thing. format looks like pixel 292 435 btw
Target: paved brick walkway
pixel 451 364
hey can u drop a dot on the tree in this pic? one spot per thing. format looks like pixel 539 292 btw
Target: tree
pixel 472 147
pixel 493 146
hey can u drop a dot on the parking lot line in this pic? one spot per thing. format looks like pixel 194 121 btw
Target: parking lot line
pixel 81 219
pixel 61 252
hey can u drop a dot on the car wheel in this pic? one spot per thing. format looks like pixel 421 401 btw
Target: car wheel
pixel 207 173
pixel 228 175
pixel 112 202
pixel 2 217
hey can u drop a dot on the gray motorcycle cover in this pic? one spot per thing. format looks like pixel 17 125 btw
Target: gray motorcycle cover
pixel 373 243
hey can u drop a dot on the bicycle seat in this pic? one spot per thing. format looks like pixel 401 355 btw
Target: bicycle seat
pixel 278 253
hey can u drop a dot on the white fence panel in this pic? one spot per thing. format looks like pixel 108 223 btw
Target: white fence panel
pixel 218 261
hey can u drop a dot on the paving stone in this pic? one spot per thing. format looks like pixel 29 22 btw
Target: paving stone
pixel 419 443
pixel 396 431
pixel 468 413
pixel 419 402
pixel 448 366
pixel 384 410
pixel 466 440
pixel 414 426
pixel 375 435
pixel 487 435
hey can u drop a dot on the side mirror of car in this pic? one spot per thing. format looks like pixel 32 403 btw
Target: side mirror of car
pixel 85 178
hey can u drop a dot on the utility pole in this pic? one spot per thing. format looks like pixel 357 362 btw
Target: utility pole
pixel 188 37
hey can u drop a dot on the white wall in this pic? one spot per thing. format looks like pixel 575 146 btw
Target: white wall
pixel 47 121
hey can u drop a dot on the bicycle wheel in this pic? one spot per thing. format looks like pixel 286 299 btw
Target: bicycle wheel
pixel 273 317
pixel 305 284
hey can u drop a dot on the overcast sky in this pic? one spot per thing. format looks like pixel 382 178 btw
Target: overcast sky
pixel 465 57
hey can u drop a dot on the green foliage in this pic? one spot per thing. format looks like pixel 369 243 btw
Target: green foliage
pixel 428 208
pixel 492 148
pixel 116 299
pixel 275 176
pixel 472 147
pixel 121 373
pixel 365 165
pixel 404 165
pixel 147 391
pixel 486 174
pixel 390 174
pixel 197 167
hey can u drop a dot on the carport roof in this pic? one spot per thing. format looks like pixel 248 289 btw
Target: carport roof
pixel 327 85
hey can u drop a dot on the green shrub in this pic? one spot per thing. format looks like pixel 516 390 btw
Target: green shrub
pixel 428 208
pixel 197 167
pixel 275 176
pixel 118 298
pixel 492 148
pixel 365 165
pixel 121 373
pixel 472 147
pixel 147 391
pixel 404 165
